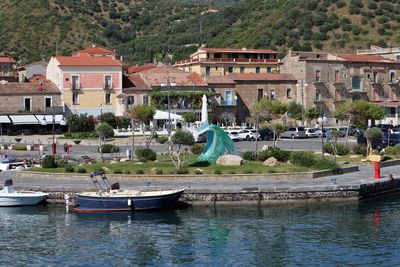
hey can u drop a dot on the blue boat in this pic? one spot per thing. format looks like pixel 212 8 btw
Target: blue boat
pixel 110 198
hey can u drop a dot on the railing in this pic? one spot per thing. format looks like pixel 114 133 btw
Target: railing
pixel 107 86
pixel 223 102
pixel 376 81
pixel 378 51
pixel 75 86
pixel 227 60
pixel 357 90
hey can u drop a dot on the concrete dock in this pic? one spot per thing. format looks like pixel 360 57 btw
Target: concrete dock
pixel 228 190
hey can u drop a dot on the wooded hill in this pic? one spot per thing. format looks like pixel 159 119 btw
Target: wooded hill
pixel 169 30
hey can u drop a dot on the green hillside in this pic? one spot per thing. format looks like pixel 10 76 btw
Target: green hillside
pixel 169 30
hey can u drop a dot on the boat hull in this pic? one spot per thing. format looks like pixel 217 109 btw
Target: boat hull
pixel 12 201
pixel 125 203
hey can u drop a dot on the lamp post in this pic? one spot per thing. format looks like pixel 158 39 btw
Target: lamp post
pixel 101 112
pixel 168 85
pixel 321 120
pixel 44 123
pixel 301 85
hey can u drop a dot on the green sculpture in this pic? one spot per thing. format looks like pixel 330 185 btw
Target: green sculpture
pixel 218 143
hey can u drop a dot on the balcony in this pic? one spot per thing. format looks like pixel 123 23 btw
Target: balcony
pixel 75 86
pixel 225 103
pixel 226 60
pixel 376 82
pixel 107 86
pixel 394 82
pixel 357 90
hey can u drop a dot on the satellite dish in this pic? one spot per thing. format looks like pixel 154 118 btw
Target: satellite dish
pixel 14 66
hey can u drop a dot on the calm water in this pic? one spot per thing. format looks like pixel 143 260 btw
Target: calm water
pixel 357 234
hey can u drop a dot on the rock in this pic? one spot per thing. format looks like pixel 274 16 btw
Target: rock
pixel 113 162
pixel 198 171
pixel 153 170
pixel 106 170
pixel 354 156
pixel 125 159
pixel 229 160
pixel 139 163
pixel 271 162
pixel 264 147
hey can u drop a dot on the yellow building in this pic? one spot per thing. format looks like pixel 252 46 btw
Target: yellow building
pixel 223 61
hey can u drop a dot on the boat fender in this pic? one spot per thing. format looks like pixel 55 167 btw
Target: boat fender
pixel 129 202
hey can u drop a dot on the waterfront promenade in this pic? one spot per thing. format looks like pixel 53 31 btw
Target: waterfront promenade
pixel 225 189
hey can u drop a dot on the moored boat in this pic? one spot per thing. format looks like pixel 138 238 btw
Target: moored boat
pixel 10 197
pixel 110 198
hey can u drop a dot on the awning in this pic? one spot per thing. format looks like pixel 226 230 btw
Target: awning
pixel 163 115
pixel 389 104
pixel 4 119
pixel 49 118
pixel 23 119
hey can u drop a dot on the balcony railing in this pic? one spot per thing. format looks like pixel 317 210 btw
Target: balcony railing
pixel 75 86
pixel 107 86
pixel 357 90
pixel 223 102
pixel 226 60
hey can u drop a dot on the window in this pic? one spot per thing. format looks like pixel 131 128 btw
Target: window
pixel 107 82
pixel 337 76
pixel 260 94
pixel 269 70
pixel 398 57
pixel 47 102
pixel 145 99
pixel 392 75
pixel 208 71
pixel 317 95
pixel 257 69
pixel 107 98
pixel 375 77
pixel 356 83
pixel 6 69
pixel 272 94
pixel 317 75
pixel 27 104
pixel 75 82
pixel 131 100
pixel 241 69
pixel 230 69
pixel 75 99
pixel 289 93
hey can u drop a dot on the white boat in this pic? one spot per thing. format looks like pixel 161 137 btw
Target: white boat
pixel 10 197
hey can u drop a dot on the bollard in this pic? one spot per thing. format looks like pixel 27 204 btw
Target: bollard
pixel 377 168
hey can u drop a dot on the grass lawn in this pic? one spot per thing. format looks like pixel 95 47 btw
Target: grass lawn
pixel 164 163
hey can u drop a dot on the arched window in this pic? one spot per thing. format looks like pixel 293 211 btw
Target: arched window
pixel 356 83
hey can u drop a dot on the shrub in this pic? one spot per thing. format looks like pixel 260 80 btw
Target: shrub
pixel 232 172
pixel 145 154
pixel 197 149
pixel 218 172
pixel 139 171
pixel 325 164
pixel 49 162
pixel 109 148
pixel 182 170
pixel 127 172
pixel 80 135
pixel 341 149
pixel 279 154
pixel 197 171
pixel 117 172
pixel 249 155
pixel 304 159
pixel 69 168
pixel 62 163
pixel 360 149
pixel 248 171
pixel 263 155
pixel 20 147
pixel 162 139
pixel 159 172
pixel 393 150
pixel 81 170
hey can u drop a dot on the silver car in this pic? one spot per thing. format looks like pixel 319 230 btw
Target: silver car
pixel 294 132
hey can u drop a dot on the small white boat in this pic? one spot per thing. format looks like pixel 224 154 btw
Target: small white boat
pixel 10 197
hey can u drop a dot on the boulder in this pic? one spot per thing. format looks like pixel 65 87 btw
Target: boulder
pixel 124 159
pixel 264 147
pixel 229 160
pixel 271 162
pixel 113 162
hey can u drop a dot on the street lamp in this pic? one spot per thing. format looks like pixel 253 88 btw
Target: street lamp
pixel 301 85
pixel 321 120
pixel 168 85
pixel 101 111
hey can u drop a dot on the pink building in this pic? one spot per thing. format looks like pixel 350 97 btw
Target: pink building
pixel 89 80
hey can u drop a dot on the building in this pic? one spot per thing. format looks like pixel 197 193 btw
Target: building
pixel 392 53
pixel 223 61
pixel 326 80
pixel 89 80
pixel 28 71
pixel 8 68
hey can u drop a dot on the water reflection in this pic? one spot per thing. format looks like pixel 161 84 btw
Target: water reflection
pixel 339 234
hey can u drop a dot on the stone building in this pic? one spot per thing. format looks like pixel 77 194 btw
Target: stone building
pixel 8 69
pixel 326 80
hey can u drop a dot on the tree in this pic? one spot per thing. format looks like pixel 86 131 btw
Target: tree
pixel 179 139
pixel 294 110
pixel 104 131
pixel 189 117
pixel 370 134
pixel 108 117
pixel 359 112
pixel 313 113
pixel 81 123
pixel 143 114
pixel 334 136
pixel 268 110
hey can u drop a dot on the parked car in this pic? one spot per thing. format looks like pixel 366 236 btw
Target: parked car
pixel 294 132
pixel 342 132
pixel 266 134
pixel 390 140
pixel 248 134
pixel 313 132
pixel 376 143
pixel 234 135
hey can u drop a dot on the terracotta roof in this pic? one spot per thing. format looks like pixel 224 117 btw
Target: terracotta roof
pixel 27 89
pixel 135 82
pixel 134 69
pixel 237 50
pixel 86 60
pixel 220 80
pixel 363 58
pixel 262 77
pixel 7 60
pixel 95 50
pixel 37 78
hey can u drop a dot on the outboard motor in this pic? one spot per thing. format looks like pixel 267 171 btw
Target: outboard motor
pixel 8 186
